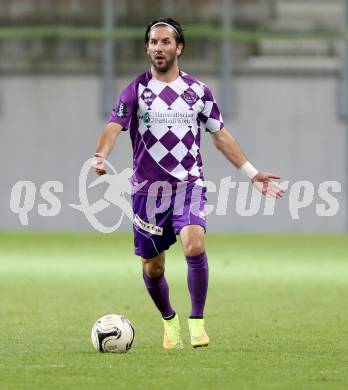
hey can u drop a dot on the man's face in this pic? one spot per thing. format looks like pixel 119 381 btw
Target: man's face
pixel 163 48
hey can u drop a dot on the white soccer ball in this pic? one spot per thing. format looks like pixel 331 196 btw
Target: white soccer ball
pixel 112 333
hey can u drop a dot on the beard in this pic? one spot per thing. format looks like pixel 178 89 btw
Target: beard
pixel 167 64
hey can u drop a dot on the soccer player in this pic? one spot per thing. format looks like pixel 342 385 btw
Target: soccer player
pixel 165 110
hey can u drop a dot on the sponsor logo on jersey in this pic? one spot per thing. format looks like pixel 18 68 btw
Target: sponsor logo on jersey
pixel 147 117
pixel 122 110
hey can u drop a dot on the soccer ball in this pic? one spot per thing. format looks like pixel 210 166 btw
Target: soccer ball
pixel 112 333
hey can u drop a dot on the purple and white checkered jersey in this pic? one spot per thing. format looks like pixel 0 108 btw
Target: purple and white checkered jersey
pixel 165 121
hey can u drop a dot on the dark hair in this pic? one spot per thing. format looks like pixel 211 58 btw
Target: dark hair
pixel 179 37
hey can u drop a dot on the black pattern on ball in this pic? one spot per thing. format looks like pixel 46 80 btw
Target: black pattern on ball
pixel 129 344
pixel 116 332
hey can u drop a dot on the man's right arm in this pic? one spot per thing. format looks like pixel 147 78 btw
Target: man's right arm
pixel 105 143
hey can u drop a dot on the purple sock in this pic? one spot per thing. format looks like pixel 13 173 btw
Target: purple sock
pixel 197 281
pixel 159 292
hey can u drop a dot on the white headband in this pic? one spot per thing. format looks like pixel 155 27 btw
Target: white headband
pixel 166 24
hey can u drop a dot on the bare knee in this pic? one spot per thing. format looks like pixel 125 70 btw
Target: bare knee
pixel 154 267
pixel 192 238
pixel 194 247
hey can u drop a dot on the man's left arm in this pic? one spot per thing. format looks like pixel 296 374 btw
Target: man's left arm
pixel 229 147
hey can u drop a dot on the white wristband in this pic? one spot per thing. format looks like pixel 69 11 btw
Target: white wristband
pixel 248 170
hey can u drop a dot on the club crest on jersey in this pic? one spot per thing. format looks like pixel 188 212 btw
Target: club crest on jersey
pixel 122 110
pixel 190 96
pixel 148 96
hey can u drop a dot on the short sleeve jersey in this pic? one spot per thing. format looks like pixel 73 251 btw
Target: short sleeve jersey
pixel 165 122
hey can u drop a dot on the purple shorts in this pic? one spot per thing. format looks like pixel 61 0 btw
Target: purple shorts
pixel 158 219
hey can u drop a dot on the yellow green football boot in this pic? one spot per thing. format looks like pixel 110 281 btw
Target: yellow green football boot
pixel 172 333
pixel 199 337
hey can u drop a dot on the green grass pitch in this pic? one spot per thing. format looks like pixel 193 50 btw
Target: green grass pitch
pixel 277 314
